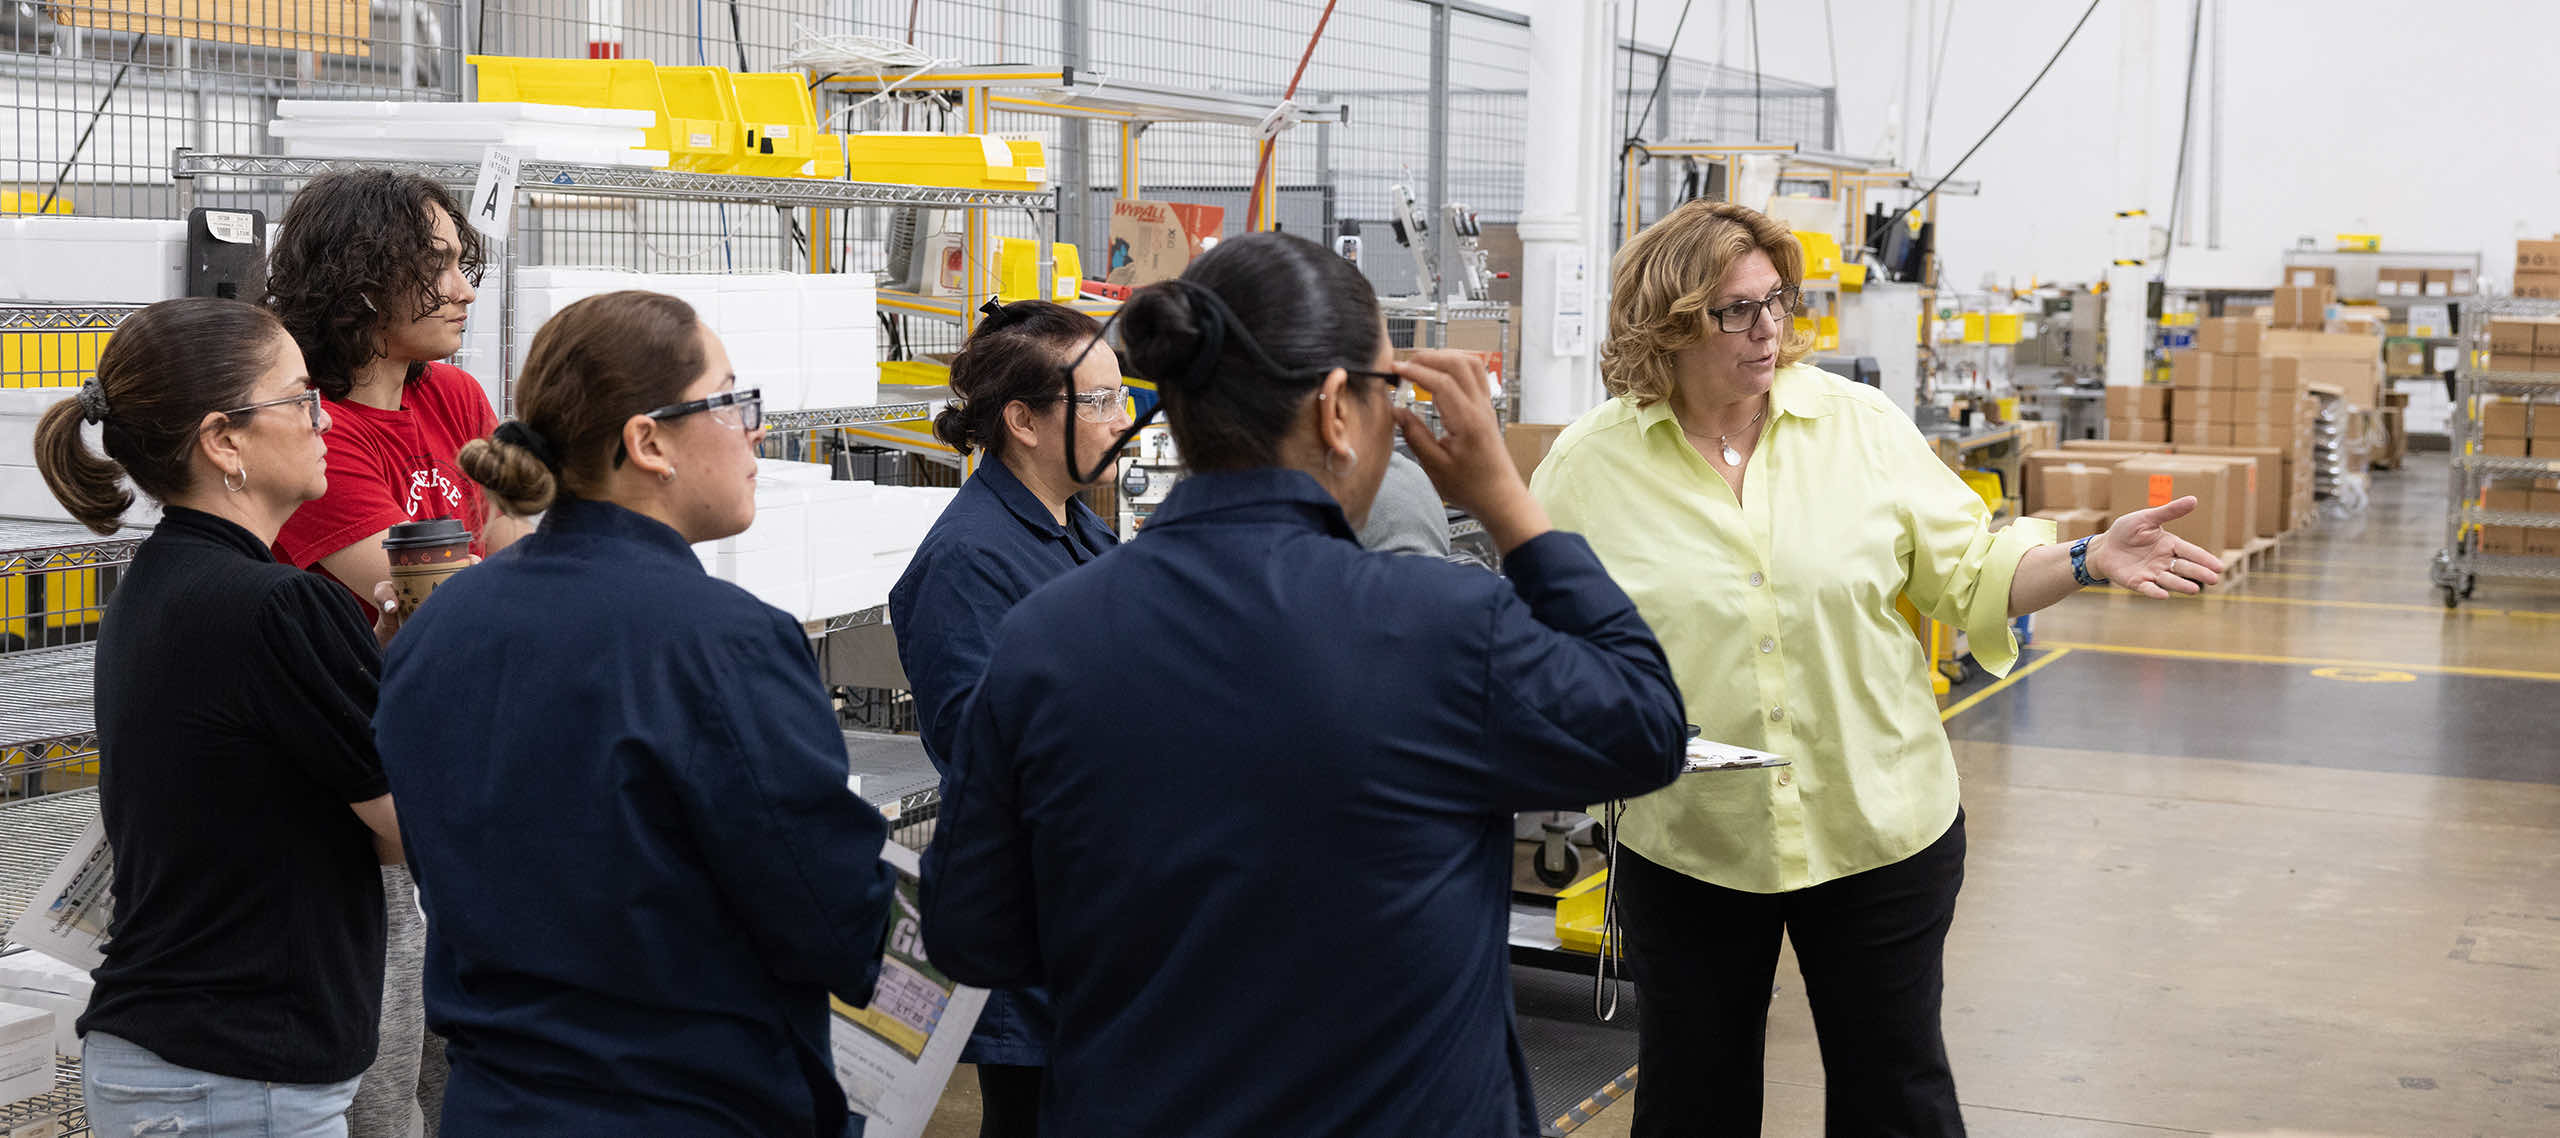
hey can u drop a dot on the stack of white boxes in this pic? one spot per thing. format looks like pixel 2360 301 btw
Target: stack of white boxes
pixel 463 132
pixel 822 548
pixel 26 1053
pixel 807 340
pixel 35 980
pixel 23 493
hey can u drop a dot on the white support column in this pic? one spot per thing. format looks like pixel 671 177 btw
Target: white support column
pixel 2129 276
pixel 1564 220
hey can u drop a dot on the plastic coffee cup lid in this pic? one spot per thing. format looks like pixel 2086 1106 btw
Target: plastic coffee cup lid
pixel 433 531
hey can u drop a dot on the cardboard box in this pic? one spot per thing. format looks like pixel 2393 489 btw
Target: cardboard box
pixel 2198 404
pixel 2072 525
pixel 2507 419
pixel 2436 282
pixel 2142 483
pixel 2542 542
pixel 2229 335
pixel 2070 485
pixel 2200 434
pixel 2270 436
pixel 2153 431
pixel 2538 286
pixel 2506 448
pixel 2303 307
pixel 2400 282
pixel 1529 443
pixel 2404 358
pixel 26 1052
pixel 1155 241
pixel 2546 338
pixel 2306 276
pixel 2268 476
pixel 2148 401
pixel 2509 498
pixel 2502 541
pixel 2123 446
pixel 2240 487
pixel 2195 369
pixel 2537 256
pixel 2519 337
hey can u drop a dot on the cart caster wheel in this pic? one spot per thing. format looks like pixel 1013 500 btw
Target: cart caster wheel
pixel 1553 876
pixel 2468 584
pixel 2452 599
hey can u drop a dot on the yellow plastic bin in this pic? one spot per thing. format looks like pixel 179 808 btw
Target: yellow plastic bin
pixel 702 117
pixel 965 161
pixel 2004 327
pixel 614 84
pixel 1018 262
pixel 780 124
pixel 828 162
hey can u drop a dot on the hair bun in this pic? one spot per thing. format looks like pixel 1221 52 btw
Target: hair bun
pixel 952 426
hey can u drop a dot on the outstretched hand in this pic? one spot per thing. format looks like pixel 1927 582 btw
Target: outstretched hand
pixel 2139 553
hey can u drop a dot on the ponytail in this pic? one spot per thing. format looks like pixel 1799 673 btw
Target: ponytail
pixel 165 369
pixel 88 484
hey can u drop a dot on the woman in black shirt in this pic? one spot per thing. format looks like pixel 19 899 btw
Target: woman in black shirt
pixel 239 784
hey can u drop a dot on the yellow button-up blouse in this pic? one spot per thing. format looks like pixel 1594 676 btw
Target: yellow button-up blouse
pixel 1778 614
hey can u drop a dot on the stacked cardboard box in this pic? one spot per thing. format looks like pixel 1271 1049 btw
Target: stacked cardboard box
pixel 2538 269
pixel 2522 497
pixel 2303 307
pixel 2138 414
pixel 2520 428
pixel 2349 361
pixel 2306 276
pixel 2524 344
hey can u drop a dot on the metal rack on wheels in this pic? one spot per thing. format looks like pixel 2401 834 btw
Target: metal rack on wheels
pixel 54 577
pixel 2461 563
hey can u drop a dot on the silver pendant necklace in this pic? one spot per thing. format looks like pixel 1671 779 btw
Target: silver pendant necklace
pixel 1733 457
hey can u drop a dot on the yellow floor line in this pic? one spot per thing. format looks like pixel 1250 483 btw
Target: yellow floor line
pixel 1967 702
pixel 2379 606
pixel 2306 661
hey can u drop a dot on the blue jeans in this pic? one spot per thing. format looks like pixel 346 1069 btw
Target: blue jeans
pixel 130 1091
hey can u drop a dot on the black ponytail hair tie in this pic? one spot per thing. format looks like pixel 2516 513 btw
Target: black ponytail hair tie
pixel 515 433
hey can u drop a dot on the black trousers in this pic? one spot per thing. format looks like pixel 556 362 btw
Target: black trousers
pixel 1873 950
pixel 1009 1101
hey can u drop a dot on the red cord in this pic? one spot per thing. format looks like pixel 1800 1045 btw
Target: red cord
pixel 1262 168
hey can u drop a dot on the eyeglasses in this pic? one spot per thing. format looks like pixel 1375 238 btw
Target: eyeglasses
pixel 1100 406
pixel 1741 316
pixel 748 416
pixel 1400 394
pixel 311 398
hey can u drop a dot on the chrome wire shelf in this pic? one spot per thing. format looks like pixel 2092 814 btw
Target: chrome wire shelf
pixel 2514 518
pixel 630 182
pixel 28 546
pixel 2508 565
pixel 875 615
pixel 61 1106
pixel 35 835
pixel 830 418
pixel 47 722
pixel 2513 382
pixel 2499 466
pixel 18 316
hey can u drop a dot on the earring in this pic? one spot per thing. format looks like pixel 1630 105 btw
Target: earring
pixel 242 484
pixel 667 475
pixel 1350 457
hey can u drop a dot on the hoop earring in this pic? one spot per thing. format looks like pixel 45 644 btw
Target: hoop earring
pixel 243 477
pixel 1350 457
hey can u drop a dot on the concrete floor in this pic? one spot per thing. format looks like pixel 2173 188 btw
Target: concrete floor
pixel 2283 859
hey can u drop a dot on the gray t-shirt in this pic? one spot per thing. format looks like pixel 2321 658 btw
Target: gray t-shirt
pixel 1408 516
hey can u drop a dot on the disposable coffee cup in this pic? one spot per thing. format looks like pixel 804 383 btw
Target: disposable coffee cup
pixel 423 554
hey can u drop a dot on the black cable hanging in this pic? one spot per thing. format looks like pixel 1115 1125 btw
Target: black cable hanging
pixel 1925 195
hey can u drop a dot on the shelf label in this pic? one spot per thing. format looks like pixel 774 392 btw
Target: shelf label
pixel 493 197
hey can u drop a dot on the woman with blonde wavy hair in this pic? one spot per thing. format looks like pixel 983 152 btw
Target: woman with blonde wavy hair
pixel 1764 515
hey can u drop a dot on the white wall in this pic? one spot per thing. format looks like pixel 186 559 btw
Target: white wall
pixel 2430 124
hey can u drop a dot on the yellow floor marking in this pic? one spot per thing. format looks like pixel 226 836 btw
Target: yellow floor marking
pixel 1967 702
pixel 2375 606
pixel 2308 661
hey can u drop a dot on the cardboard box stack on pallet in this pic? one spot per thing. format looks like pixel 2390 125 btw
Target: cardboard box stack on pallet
pixel 2538 269
pixel 2241 492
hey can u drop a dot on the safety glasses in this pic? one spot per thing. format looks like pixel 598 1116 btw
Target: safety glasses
pixel 747 416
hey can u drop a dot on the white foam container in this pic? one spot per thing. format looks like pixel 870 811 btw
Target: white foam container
pixel 85 260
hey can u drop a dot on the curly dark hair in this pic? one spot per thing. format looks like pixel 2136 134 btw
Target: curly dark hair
pixel 356 252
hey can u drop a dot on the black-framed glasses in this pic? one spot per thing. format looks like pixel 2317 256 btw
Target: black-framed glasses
pixel 749 404
pixel 1741 315
pixel 310 398
pixel 1400 394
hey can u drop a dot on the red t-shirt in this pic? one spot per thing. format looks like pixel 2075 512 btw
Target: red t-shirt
pixel 389 467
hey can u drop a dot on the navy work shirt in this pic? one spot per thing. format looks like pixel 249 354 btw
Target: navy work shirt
pixel 1240 794
pixel 624 796
pixel 992 546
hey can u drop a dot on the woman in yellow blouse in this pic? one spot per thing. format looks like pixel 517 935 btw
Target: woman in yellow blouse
pixel 1764 515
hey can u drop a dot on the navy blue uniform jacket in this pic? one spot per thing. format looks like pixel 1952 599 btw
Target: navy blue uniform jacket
pixel 624 798
pixel 992 546
pixel 1240 794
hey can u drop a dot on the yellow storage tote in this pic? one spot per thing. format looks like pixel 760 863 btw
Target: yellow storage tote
pixel 2003 327
pixel 1018 261
pixel 1821 255
pixel 780 124
pixel 702 118
pixel 624 84
pixel 964 161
